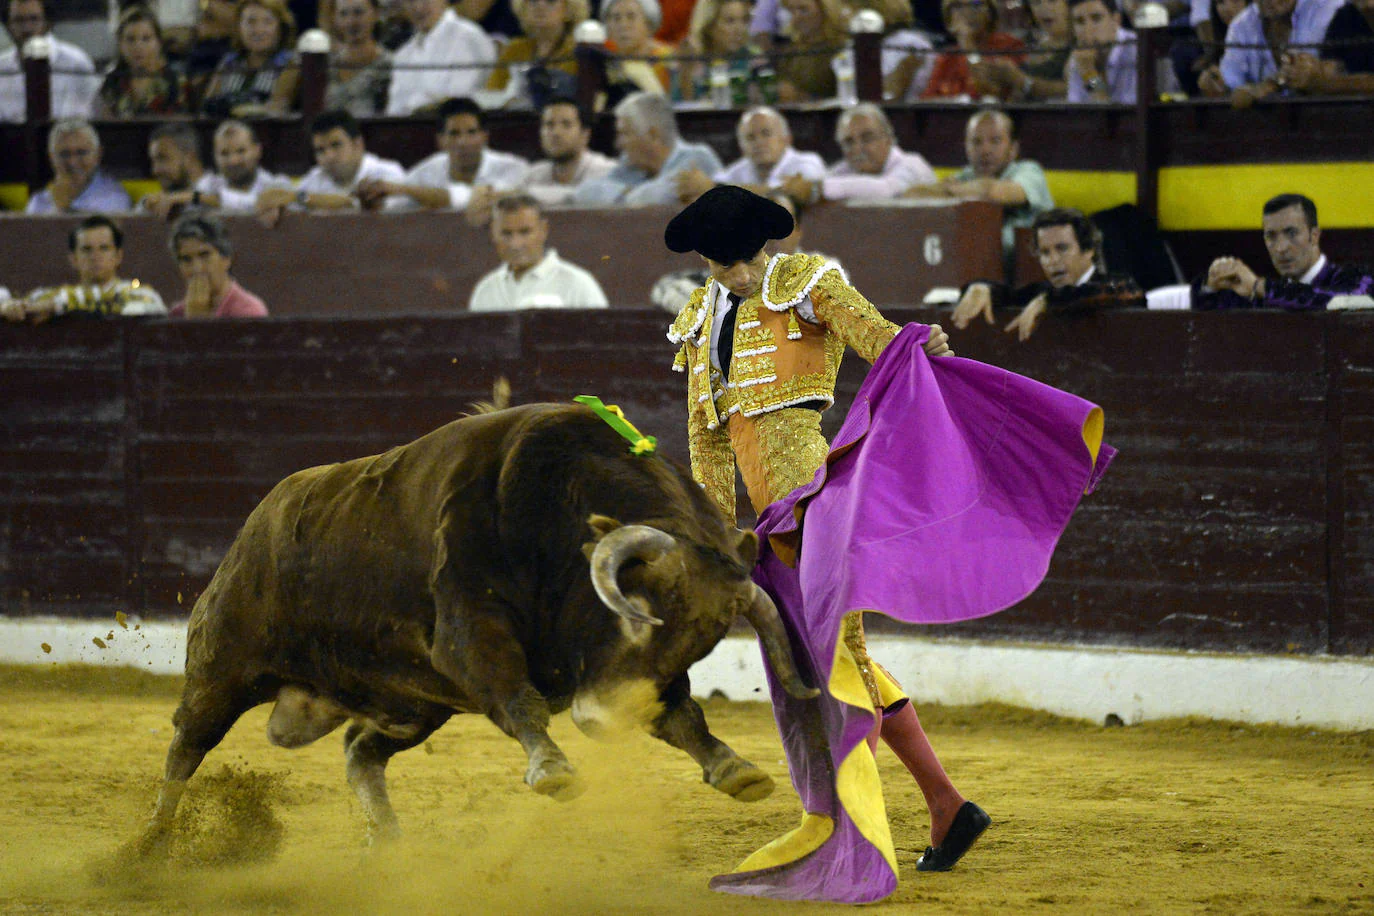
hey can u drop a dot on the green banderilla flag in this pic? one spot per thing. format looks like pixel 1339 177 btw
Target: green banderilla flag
pixel 640 444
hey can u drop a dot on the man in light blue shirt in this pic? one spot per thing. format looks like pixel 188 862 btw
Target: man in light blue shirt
pixel 996 174
pixel 1249 63
pixel 1102 67
pixel 78 185
pixel 652 155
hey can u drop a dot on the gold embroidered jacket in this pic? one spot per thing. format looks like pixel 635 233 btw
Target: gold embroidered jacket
pixel 779 360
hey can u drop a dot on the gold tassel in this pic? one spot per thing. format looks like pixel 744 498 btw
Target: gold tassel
pixel 680 361
pixel 793 329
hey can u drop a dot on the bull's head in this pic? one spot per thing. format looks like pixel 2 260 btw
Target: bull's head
pixel 646 575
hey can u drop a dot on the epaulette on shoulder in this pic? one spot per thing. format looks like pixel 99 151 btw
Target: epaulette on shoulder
pixel 790 278
pixel 688 321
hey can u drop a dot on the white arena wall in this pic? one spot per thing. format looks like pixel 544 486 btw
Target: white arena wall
pixel 1084 682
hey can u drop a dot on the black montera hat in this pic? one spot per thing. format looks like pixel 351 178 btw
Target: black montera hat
pixel 728 224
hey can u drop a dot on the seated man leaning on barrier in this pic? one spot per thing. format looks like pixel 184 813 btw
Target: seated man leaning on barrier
pixel 531 275
pixel 465 173
pixel 1307 280
pixel 240 178
pixel 78 185
pixel 874 166
pixel 174 152
pixel 564 136
pixel 652 154
pixel 342 163
pixel 204 255
pixel 769 159
pixel 996 173
pixel 1069 249
pixel 96 251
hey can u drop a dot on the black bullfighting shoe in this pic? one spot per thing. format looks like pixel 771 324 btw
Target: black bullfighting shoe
pixel 968 826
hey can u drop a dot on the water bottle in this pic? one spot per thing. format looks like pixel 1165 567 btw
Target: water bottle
pixel 845 91
pixel 720 84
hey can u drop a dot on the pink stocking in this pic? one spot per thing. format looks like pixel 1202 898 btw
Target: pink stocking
pixel 903 733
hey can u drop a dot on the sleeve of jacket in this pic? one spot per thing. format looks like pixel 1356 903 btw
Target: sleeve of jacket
pixel 1111 292
pixel 713 459
pixel 851 317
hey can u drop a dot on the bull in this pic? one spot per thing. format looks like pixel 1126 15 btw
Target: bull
pixel 513 563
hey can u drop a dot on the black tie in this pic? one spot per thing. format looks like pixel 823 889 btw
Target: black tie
pixel 726 344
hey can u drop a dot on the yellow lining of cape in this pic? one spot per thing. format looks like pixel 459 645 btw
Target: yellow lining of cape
pixel 1092 432
pixel 792 846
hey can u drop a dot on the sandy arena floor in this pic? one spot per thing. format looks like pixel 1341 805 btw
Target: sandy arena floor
pixel 1160 818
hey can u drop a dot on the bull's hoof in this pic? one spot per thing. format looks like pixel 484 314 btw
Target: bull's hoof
pixel 742 781
pixel 559 781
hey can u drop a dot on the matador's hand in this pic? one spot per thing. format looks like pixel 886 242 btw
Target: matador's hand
pixel 938 343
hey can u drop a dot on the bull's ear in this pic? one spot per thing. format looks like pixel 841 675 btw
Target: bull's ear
pixel 748 548
pixel 601 526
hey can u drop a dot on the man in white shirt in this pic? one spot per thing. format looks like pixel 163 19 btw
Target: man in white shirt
pixel 874 167
pixel 564 137
pixel 769 158
pixel 74 83
pixel 342 162
pixel 530 276
pixel 464 174
pixel 240 177
pixel 448 56
pixel 78 185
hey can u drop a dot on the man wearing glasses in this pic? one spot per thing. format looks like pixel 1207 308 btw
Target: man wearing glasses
pixel 78 185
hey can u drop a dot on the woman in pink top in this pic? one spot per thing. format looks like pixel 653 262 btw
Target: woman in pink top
pixel 204 253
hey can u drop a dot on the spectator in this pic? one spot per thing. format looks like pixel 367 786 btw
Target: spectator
pixel 530 276
pixel 95 248
pixel 1102 65
pixel 564 136
pixel 1346 66
pixel 240 178
pixel 1210 19
pixel 448 56
pixel 545 52
pixel 676 24
pixel 908 53
pixel 720 31
pixel 141 81
pixel 204 255
pixel 1069 249
pixel 769 158
pixel 342 163
pixel 73 75
pixel 996 174
pixel 262 75
pixel 174 151
pixel 958 73
pixel 495 17
pixel 215 33
pixel 463 174
pixel 78 184
pixel 1307 280
pixel 630 26
pixel 819 30
pixel 1041 77
pixel 874 167
pixel 359 67
pixel 1256 42
pixel 651 156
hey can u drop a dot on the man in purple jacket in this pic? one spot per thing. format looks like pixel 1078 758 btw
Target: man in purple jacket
pixel 1307 281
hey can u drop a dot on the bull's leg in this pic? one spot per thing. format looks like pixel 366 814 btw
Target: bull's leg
pixel 206 713
pixel 477 649
pixel 683 725
pixel 366 753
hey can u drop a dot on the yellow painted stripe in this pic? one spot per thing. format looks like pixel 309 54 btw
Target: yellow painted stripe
pixel 1091 191
pixel 14 196
pixel 1232 196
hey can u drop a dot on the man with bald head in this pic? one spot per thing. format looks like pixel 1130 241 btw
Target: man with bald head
pixel 874 166
pixel 769 158
pixel 240 177
pixel 995 173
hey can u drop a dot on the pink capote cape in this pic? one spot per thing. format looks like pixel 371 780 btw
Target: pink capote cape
pixel 941 500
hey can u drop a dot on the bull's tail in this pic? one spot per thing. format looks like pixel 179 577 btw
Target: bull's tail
pixel 500 398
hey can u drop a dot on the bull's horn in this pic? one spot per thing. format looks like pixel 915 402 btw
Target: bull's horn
pixel 762 614
pixel 615 550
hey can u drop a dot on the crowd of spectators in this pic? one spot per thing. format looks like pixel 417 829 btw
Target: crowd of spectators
pixel 403 57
